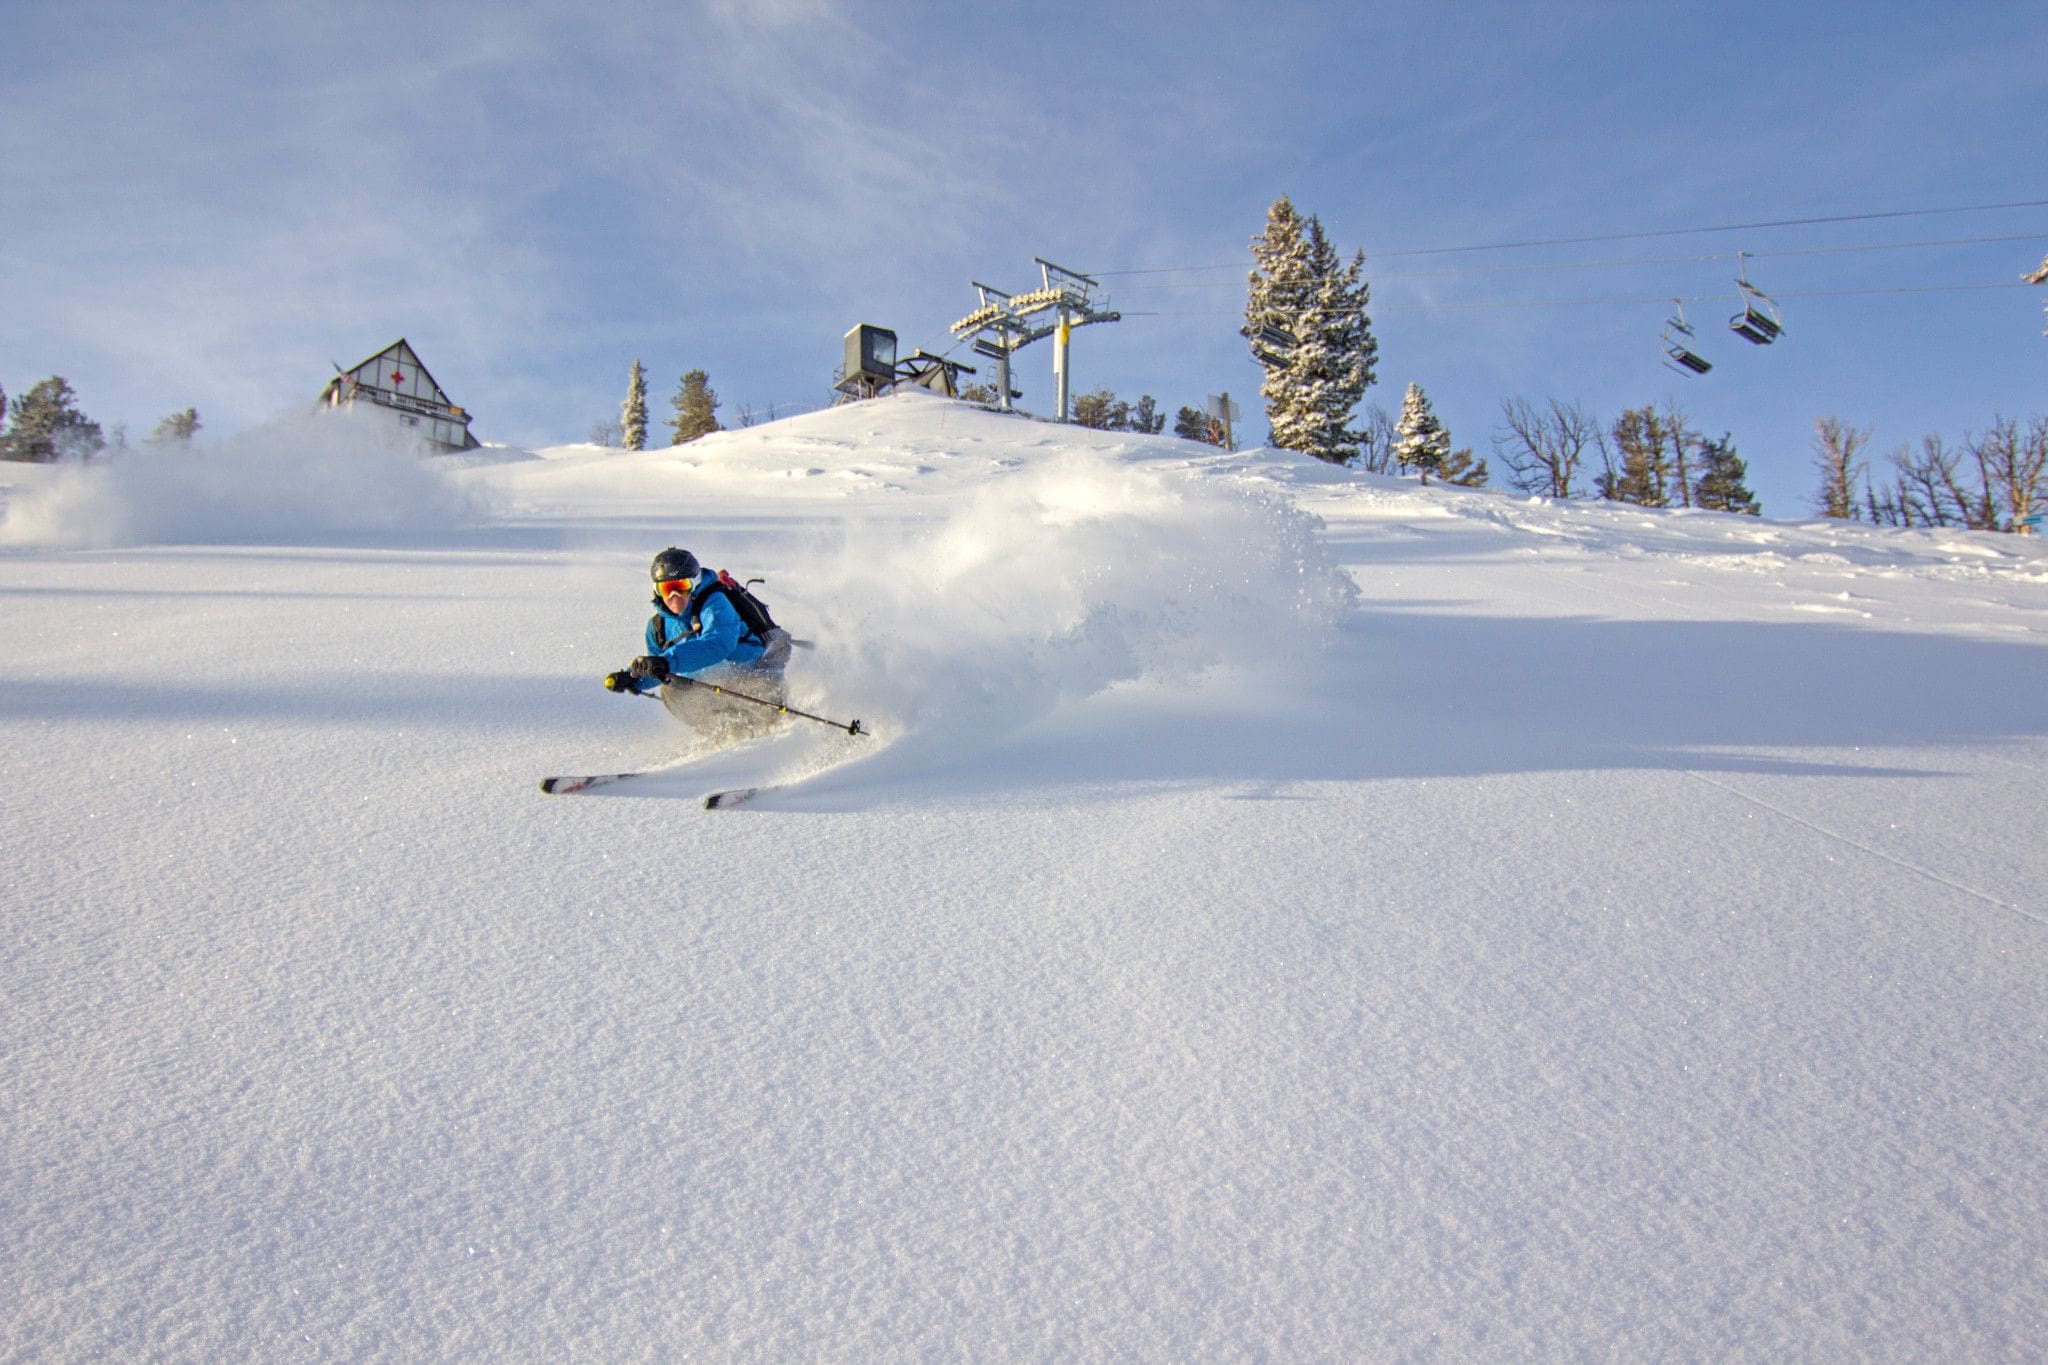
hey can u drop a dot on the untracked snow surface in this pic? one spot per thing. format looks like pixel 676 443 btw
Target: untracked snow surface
pixel 1280 914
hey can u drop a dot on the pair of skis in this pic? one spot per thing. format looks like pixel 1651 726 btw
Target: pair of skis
pixel 770 760
pixel 724 798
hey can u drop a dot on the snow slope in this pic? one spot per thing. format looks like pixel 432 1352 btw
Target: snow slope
pixel 1282 914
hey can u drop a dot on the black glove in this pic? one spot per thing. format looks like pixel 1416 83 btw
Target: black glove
pixel 621 681
pixel 649 666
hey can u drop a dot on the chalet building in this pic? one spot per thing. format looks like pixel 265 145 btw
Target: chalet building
pixel 393 381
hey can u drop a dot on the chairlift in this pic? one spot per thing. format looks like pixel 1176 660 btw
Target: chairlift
pixel 1272 343
pixel 1678 339
pixel 1758 322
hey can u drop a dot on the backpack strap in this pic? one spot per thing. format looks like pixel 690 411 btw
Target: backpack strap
pixel 748 635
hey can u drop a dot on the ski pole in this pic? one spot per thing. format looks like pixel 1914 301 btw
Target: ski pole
pixel 851 727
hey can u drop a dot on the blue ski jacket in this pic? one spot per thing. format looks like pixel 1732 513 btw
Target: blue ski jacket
pixel 713 637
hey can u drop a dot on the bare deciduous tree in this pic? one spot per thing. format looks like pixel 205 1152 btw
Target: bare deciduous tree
pixel 1684 440
pixel 1836 456
pixel 1930 490
pixel 1543 448
pixel 2013 464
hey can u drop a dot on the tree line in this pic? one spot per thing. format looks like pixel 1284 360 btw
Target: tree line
pixel 45 424
pixel 1307 324
pixel 1991 480
pixel 1102 410
pixel 1648 456
pixel 1309 330
pixel 695 405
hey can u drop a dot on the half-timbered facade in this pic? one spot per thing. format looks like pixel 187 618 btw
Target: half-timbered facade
pixel 394 381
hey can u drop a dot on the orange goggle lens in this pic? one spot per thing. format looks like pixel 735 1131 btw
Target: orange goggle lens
pixel 669 585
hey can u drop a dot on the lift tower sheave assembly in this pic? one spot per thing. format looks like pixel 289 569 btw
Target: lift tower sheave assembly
pixel 1006 323
pixel 992 316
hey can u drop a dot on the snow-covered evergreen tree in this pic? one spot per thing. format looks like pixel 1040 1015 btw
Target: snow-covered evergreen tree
pixel 696 405
pixel 633 412
pixel 1300 286
pixel 1420 441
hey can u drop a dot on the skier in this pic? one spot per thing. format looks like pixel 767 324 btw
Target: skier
pixel 706 625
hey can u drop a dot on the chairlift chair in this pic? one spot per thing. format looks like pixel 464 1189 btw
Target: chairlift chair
pixel 1682 357
pixel 1273 343
pixel 1758 322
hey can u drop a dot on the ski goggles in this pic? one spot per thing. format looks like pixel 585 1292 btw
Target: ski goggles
pixel 669 585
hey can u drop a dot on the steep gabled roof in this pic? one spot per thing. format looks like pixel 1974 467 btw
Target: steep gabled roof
pixel 397 369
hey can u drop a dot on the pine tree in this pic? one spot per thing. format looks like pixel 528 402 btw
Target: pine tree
pixel 1460 468
pixel 1645 476
pixel 179 426
pixel 47 425
pixel 1300 287
pixel 1146 418
pixel 633 412
pixel 1193 424
pixel 1420 441
pixel 1101 410
pixel 696 405
pixel 1721 486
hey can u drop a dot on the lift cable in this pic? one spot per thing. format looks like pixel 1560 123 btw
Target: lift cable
pixel 1379 308
pixel 1237 282
pixel 1624 236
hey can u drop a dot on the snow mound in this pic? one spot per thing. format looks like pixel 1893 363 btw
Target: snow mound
pixel 292 479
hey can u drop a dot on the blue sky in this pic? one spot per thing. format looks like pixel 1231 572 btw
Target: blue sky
pixel 207 204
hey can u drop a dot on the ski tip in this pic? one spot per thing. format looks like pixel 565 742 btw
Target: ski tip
pixel 725 800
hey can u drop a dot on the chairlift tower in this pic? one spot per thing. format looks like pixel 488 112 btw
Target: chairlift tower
pixel 1006 323
pixel 997 335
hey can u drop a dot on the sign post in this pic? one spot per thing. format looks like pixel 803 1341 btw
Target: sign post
pixel 1225 413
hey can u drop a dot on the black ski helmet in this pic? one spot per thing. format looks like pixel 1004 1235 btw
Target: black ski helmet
pixel 673 564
